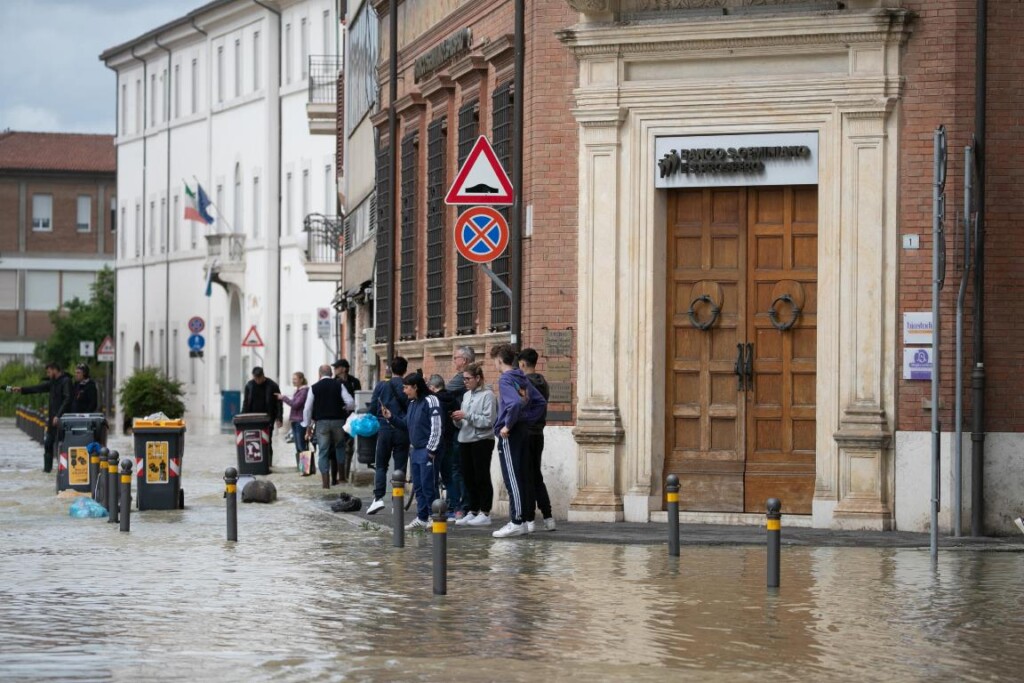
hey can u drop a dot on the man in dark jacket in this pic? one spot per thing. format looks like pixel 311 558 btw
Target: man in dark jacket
pixel 392 443
pixel 58 384
pixel 85 398
pixel 352 385
pixel 535 442
pixel 259 398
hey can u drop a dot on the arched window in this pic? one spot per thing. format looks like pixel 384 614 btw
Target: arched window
pixel 237 227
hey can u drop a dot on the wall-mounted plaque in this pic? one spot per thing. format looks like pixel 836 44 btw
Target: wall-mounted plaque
pixel 557 342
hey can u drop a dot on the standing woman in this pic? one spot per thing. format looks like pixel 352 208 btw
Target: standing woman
pixel 422 422
pixel 476 443
pixel 296 403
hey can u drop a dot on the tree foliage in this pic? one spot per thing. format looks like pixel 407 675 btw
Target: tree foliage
pixel 18 374
pixel 80 321
pixel 148 391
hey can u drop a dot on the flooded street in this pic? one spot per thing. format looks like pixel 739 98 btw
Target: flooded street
pixel 309 595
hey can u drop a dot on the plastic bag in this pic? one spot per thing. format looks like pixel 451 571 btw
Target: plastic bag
pixel 86 507
pixel 365 425
pixel 348 424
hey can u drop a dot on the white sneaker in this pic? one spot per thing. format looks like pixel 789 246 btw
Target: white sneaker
pixel 510 529
pixel 480 520
pixel 465 519
pixel 376 506
pixel 529 527
pixel 417 524
pixel 549 524
pixel 1020 524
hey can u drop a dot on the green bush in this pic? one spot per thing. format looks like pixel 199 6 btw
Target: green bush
pixel 149 391
pixel 17 374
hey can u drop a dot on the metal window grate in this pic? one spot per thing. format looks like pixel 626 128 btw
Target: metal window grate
pixel 469 130
pixel 501 307
pixel 407 310
pixel 382 297
pixel 437 134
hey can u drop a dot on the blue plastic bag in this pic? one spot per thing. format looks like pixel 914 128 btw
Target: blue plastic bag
pixel 86 507
pixel 365 425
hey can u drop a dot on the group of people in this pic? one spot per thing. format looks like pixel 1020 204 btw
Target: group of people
pixel 67 396
pixel 448 431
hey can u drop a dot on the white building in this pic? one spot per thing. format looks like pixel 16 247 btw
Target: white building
pixel 218 97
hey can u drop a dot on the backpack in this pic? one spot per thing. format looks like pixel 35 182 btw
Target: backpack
pixel 536 405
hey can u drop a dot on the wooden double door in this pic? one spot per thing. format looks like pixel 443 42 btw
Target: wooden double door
pixel 742 318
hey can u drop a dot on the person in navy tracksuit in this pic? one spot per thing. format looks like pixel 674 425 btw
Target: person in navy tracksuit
pixel 392 444
pixel 511 428
pixel 422 422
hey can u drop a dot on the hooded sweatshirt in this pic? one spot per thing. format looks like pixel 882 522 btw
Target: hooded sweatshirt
pixel 510 401
pixel 478 406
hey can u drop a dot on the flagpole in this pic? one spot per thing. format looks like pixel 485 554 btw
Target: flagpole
pixel 216 208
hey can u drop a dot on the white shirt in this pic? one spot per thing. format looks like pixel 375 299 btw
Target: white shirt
pixel 307 409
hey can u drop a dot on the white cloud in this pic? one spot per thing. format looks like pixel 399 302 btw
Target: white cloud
pixel 27 117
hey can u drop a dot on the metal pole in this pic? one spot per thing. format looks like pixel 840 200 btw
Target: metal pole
pixel 978 343
pixel 112 501
pixel 939 175
pixel 398 508
pixel 516 228
pixel 231 497
pixel 672 499
pixel 773 522
pixel 958 418
pixel 126 494
pixel 440 547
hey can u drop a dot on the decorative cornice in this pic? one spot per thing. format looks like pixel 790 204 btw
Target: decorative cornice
pixel 495 48
pixel 380 118
pixel 437 88
pixel 590 6
pixel 467 66
pixel 410 103
pixel 600 118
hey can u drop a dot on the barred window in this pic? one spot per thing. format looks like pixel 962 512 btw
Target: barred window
pixel 382 298
pixel 410 158
pixel 469 130
pixel 437 136
pixel 501 307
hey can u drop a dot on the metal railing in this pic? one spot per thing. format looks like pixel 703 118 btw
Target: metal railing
pixel 326 238
pixel 323 78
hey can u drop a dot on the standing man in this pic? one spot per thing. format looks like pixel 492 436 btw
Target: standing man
pixel 58 384
pixel 352 383
pixel 510 428
pixel 260 398
pixel 451 465
pixel 327 405
pixel 85 398
pixel 535 442
pixel 392 443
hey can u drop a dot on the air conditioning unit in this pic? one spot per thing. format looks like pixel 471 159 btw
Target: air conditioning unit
pixel 369 337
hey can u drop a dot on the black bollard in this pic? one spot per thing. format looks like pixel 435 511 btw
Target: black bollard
pixel 398 508
pixel 112 487
pixel 100 488
pixel 231 495
pixel 126 494
pixel 773 522
pixel 440 550
pixel 94 471
pixel 672 499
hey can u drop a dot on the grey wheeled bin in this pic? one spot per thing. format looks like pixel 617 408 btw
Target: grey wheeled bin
pixel 159 447
pixel 75 432
pixel 252 436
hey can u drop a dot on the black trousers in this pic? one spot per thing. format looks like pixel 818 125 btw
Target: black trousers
pixel 49 445
pixel 535 447
pixel 475 459
pixel 516 472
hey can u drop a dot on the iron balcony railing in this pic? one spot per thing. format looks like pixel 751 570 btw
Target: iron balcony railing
pixel 323 78
pixel 325 238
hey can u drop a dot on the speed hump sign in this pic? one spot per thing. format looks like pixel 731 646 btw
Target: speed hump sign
pixel 481 234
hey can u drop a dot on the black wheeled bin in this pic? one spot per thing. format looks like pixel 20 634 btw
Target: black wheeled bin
pixel 159 447
pixel 252 436
pixel 75 432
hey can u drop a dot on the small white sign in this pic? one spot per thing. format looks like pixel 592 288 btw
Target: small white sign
pixel 731 160
pixel 86 349
pixel 323 323
pixel 917 329
pixel 917 363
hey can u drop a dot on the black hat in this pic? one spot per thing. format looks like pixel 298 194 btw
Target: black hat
pixel 340 363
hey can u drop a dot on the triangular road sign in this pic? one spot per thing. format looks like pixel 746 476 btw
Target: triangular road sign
pixel 252 338
pixel 481 180
pixel 106 346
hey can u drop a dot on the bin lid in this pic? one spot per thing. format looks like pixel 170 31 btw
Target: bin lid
pixel 139 423
pixel 253 417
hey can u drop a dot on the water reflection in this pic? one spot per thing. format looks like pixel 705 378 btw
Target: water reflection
pixel 306 595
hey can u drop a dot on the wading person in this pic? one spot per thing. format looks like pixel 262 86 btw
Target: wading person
pixel 85 398
pixel 296 406
pixel 58 385
pixel 392 444
pixel 422 423
pixel 475 420
pixel 352 383
pixel 535 443
pixel 328 403
pixel 260 393
pixel 448 470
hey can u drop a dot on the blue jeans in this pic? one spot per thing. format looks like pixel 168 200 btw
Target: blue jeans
pixel 391 443
pixel 299 437
pixel 329 435
pixel 451 475
pixel 423 481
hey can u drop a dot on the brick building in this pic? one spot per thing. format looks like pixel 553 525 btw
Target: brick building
pixel 56 228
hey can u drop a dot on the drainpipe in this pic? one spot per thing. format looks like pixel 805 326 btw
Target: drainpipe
pixel 167 213
pixel 393 162
pixel 516 236
pixel 978 375
pixel 142 252
pixel 119 127
pixel 275 251
pixel 206 44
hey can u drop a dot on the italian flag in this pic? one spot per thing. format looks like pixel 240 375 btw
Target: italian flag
pixel 196 205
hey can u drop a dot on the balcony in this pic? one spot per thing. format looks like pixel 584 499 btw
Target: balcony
pixel 225 254
pixel 322 105
pixel 325 247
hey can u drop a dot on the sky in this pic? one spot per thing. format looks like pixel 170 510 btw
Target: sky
pixel 51 78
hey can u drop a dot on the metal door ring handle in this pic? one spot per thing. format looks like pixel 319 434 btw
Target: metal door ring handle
pixel 715 310
pixel 774 317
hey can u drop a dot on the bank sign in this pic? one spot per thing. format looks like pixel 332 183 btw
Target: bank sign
pixel 731 160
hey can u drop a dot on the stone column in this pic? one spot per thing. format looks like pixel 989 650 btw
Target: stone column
pixel 598 431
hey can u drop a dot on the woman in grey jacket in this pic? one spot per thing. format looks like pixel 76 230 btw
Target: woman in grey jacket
pixel 476 443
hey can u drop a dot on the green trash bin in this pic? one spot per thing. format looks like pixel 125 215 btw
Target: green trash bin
pixel 159 447
pixel 252 436
pixel 75 432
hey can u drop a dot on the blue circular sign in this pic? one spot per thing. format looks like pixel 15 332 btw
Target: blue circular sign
pixel 196 342
pixel 481 234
